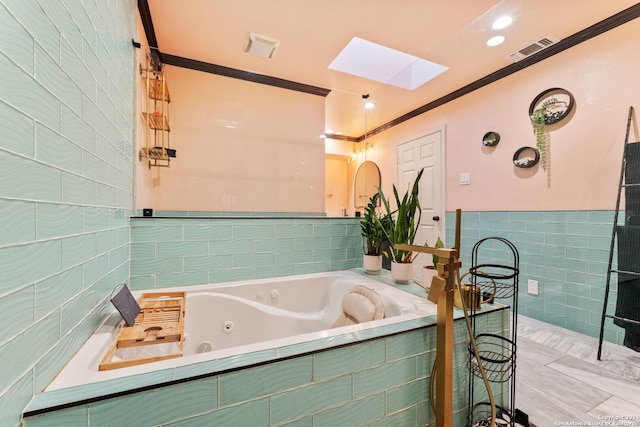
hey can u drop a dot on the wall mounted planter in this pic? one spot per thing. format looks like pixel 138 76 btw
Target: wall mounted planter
pixel 491 139
pixel 558 104
pixel 522 161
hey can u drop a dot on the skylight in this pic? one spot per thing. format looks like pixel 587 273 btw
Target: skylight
pixel 372 61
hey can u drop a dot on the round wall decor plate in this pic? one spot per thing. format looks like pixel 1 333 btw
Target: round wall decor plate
pixel 491 139
pixel 526 157
pixel 559 103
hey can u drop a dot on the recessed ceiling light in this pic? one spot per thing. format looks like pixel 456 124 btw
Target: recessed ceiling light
pixel 495 41
pixel 502 22
pixel 372 61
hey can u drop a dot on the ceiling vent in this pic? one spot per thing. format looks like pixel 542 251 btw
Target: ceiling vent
pixel 262 46
pixel 532 48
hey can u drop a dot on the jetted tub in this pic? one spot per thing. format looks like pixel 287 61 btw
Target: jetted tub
pixel 231 319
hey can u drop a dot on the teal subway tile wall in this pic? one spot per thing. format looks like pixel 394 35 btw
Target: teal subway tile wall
pixel 66 190
pixel 379 382
pixel 188 251
pixel 567 252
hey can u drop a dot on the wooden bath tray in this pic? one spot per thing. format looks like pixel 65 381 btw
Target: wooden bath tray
pixel 160 321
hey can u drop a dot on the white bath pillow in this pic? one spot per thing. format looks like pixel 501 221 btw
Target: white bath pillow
pixel 360 305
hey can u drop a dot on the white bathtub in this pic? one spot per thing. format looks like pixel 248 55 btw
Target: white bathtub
pixel 231 319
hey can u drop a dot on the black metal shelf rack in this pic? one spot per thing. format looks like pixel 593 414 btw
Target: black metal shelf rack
pixel 497 353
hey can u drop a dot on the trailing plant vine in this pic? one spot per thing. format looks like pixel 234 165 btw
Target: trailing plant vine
pixel 539 130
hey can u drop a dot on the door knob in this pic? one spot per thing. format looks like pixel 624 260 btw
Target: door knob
pixel 436 218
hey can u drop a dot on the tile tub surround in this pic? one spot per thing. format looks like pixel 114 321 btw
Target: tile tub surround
pixel 67 186
pixel 251 316
pixel 378 379
pixel 190 250
pixel 567 252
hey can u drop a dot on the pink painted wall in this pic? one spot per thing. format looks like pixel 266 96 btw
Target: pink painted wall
pixel 275 161
pixel 241 147
pixel 586 149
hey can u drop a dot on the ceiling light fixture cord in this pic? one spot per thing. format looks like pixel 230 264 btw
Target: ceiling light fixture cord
pixel 365 97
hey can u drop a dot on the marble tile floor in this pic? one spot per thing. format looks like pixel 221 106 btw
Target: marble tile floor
pixel 559 379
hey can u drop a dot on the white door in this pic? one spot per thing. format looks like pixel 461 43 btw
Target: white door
pixel 425 151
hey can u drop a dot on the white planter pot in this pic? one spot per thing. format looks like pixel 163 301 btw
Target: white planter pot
pixel 402 272
pixel 372 263
pixel 427 276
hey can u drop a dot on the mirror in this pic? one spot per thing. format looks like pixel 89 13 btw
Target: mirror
pixel 367 183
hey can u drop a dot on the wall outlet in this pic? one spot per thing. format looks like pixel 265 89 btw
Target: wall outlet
pixel 532 287
pixel 465 178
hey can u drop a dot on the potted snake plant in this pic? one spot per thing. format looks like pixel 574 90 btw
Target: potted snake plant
pixel 401 226
pixel 371 230
pixel 430 271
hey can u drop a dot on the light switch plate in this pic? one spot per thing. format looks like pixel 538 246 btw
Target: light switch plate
pixel 465 178
pixel 532 287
